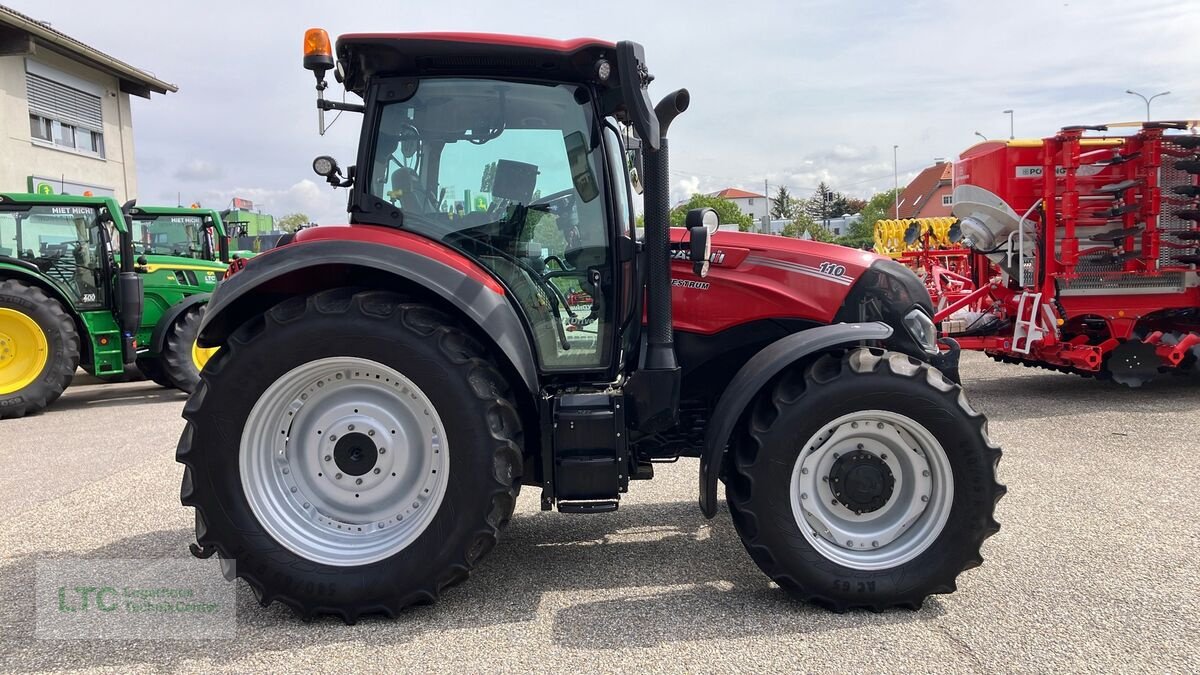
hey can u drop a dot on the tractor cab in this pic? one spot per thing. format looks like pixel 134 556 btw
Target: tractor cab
pixel 179 232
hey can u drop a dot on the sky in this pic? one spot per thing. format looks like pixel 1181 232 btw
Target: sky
pixel 787 93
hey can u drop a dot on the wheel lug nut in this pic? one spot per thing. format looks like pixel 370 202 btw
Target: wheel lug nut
pixel 328 458
pixel 376 469
pixel 804 472
pixel 825 478
pixel 338 476
pixel 350 427
pixel 370 432
pixel 925 473
pixel 358 481
pixel 874 544
pixel 883 456
pixel 860 446
pixel 924 498
pixel 836 455
pixel 804 495
pixel 383 451
pixel 332 437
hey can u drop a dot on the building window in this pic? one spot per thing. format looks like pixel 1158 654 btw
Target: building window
pixel 947 200
pixel 751 201
pixel 64 117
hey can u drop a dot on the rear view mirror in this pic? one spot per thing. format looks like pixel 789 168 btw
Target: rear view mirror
pixel 701 225
pixel 633 158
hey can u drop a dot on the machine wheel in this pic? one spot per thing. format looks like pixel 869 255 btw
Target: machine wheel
pixel 182 359
pixel 864 481
pixel 39 349
pixel 350 453
pixel 152 370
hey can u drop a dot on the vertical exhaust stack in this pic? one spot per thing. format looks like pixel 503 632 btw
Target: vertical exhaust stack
pixel 660 345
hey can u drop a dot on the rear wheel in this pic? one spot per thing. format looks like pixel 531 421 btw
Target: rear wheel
pixel 182 359
pixel 39 349
pixel 864 481
pixel 352 453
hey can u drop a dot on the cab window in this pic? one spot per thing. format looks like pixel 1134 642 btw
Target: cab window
pixel 63 242
pixel 511 175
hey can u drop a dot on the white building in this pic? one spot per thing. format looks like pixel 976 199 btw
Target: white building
pixel 750 203
pixel 64 109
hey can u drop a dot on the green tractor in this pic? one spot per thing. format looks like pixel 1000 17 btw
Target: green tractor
pixel 181 254
pixel 87 283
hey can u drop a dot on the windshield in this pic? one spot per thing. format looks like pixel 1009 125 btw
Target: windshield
pixel 63 242
pixel 182 236
pixel 511 174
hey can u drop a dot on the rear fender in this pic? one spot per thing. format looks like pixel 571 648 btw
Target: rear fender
pixel 306 267
pixel 754 375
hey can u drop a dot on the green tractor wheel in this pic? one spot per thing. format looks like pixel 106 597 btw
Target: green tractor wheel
pixel 39 349
pixel 182 359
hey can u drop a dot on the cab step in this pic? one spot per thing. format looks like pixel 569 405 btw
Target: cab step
pixel 606 506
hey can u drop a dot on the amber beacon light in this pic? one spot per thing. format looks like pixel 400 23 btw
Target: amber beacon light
pixel 318 54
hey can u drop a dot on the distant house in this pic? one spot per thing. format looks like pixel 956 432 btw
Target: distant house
pixel 929 195
pixel 750 203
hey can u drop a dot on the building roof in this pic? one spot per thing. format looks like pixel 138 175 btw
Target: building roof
pixel 918 192
pixel 23 34
pixel 736 193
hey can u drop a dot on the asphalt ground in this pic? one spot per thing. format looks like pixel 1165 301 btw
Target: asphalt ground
pixel 1097 567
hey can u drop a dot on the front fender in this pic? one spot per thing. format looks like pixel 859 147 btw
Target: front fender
pixel 754 375
pixel 310 266
pixel 159 337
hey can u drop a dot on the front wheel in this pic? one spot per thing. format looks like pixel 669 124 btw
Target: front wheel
pixel 182 359
pixel 864 481
pixel 351 453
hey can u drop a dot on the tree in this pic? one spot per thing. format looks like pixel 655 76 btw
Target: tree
pixel 783 204
pixel 727 211
pixel 879 207
pixel 293 221
pixel 802 225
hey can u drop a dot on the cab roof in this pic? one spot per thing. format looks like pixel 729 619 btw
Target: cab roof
pixel 367 55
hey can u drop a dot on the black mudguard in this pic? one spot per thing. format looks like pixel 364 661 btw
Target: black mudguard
pixel 159 337
pixel 754 375
pixel 305 268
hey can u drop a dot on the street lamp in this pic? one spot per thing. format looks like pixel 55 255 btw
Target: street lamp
pixel 896 178
pixel 1147 100
pixel 1010 123
pixel 981 135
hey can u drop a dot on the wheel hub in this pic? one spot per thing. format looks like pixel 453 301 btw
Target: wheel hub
pixel 355 454
pixel 861 481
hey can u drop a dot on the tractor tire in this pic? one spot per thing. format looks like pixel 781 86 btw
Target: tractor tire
pixel 864 481
pixel 182 360
pixel 151 369
pixel 39 349
pixel 329 380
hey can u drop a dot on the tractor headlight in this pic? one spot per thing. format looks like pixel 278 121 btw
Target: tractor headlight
pixel 921 328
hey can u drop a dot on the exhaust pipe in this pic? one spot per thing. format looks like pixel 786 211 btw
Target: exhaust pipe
pixel 660 345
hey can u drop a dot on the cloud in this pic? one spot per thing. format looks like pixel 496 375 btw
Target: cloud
pixel 198 170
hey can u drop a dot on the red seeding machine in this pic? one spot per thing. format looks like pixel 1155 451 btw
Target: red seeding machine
pixel 1084 253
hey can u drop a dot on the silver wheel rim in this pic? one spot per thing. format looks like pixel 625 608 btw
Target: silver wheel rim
pixel 914 513
pixel 308 470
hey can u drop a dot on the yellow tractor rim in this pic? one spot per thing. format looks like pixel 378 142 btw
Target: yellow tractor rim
pixel 24 350
pixel 201 355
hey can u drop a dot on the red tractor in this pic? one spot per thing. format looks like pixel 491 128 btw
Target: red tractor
pixel 384 389
pixel 1085 252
